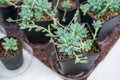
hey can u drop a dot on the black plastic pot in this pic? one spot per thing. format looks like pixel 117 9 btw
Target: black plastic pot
pixel 82 1
pixel 8 12
pixel 106 28
pixel 13 62
pixel 38 37
pixel 69 66
pixel 69 15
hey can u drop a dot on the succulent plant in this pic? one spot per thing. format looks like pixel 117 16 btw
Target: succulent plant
pixel 10 44
pixel 100 6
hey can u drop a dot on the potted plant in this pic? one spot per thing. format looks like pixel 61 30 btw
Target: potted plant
pixel 8 10
pixel 34 12
pixel 11 52
pixel 77 52
pixel 76 46
pixel 66 10
pixel 104 10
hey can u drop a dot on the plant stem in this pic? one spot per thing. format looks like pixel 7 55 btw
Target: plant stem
pixel 33 4
pixel 64 16
pixel 56 5
pixel 104 10
pixel 42 28
pixel 76 14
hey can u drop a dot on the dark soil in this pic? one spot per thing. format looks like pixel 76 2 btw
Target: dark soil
pixel 9 53
pixel 74 4
pixel 107 16
pixel 44 18
pixel 44 51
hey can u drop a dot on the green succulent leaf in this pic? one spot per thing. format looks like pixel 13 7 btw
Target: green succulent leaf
pixel 66 5
pixel 10 44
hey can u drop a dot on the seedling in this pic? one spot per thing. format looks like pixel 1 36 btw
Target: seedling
pixel 10 44
pixel 66 5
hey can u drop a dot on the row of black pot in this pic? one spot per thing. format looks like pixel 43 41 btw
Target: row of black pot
pixel 35 37
pixel 66 67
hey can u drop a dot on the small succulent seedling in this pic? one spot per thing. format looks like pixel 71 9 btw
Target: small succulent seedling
pixel 66 5
pixel 10 44
pixel 100 6
pixel 85 8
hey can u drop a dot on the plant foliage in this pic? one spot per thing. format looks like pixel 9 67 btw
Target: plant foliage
pixel 100 6
pixel 66 5
pixel 10 44
pixel 33 10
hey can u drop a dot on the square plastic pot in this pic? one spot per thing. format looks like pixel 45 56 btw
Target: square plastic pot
pixel 69 67
pixel 8 12
pixel 38 36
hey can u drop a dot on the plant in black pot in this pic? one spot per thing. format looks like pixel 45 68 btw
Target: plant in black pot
pixel 76 49
pixel 11 52
pixel 8 10
pixel 66 10
pixel 76 46
pixel 34 12
pixel 107 11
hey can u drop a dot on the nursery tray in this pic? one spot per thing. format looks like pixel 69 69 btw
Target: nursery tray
pixel 45 51
pixel 27 56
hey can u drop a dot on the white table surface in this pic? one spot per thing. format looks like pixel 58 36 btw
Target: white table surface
pixel 108 69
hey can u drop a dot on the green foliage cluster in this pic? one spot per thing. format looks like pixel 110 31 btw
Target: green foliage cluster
pixel 100 6
pixel 33 9
pixel 10 44
pixel 66 5
pixel 3 1
pixel 71 40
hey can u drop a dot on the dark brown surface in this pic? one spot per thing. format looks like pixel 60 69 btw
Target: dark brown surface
pixel 44 51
